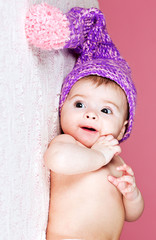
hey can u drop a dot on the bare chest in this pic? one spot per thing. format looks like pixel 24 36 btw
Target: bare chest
pixel 92 185
pixel 83 200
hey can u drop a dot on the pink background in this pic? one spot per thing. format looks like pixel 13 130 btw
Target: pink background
pixel 132 26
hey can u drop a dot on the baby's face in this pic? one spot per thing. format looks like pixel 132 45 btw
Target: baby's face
pixel 90 112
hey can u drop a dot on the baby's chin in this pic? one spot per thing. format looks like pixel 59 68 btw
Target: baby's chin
pixel 86 137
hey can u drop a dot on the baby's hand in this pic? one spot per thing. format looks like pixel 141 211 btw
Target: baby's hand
pixel 125 184
pixel 108 146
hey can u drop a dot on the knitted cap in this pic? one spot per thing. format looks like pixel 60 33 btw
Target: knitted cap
pixel 84 31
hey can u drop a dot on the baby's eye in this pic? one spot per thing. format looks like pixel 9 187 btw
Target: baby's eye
pixel 79 105
pixel 106 111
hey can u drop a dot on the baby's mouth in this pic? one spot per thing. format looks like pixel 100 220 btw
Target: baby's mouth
pixel 89 129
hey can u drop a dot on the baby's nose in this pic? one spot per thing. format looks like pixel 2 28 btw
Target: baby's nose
pixel 91 116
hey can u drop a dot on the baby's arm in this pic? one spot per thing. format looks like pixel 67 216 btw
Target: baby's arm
pixel 67 156
pixel 132 198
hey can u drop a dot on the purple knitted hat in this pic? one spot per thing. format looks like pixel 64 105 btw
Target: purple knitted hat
pixel 84 31
pixel 97 55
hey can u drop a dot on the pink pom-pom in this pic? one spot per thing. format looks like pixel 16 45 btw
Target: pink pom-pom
pixel 46 27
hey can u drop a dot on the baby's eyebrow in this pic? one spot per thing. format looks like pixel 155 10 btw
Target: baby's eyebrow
pixel 76 95
pixel 112 103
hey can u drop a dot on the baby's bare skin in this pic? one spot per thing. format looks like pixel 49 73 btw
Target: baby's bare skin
pixel 92 190
pixel 86 206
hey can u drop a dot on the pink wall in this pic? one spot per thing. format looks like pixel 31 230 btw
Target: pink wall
pixel 132 26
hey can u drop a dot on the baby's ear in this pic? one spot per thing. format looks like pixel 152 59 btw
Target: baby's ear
pixel 122 132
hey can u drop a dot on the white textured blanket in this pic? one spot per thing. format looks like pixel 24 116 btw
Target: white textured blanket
pixel 30 83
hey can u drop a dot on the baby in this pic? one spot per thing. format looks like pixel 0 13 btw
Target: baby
pixel 92 190
pixel 84 161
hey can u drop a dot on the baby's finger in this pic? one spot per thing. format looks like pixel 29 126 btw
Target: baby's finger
pixel 129 189
pixel 117 150
pixel 114 142
pixel 109 137
pixel 127 179
pixel 120 185
pixel 126 168
pixel 101 139
pixel 113 180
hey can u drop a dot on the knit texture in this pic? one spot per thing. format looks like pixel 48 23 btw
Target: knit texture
pixel 42 29
pixel 97 55
pixel 84 31
pixel 89 39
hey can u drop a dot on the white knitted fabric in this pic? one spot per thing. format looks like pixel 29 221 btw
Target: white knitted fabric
pixel 30 83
